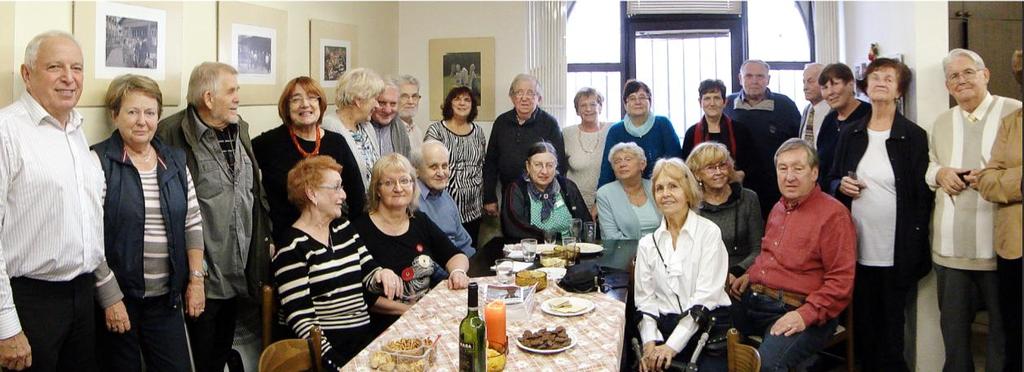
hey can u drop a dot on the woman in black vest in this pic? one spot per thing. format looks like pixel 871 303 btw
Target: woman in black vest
pixel 153 237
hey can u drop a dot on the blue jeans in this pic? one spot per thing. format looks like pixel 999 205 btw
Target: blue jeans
pixel 779 353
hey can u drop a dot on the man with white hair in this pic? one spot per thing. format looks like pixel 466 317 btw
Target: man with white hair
pixel 408 105
pixel 961 142
pixel 391 136
pixel 51 217
pixel 772 118
pixel 817 108
pixel 435 201
pixel 236 227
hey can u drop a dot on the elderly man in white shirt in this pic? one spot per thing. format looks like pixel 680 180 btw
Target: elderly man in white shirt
pixel 680 274
pixel 51 239
pixel 817 108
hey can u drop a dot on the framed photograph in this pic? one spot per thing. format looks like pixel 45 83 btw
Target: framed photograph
pixel 331 52
pixel 129 38
pixel 465 62
pixel 252 39
pixel 8 69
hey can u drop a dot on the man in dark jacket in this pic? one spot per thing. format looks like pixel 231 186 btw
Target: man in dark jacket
pixel 236 228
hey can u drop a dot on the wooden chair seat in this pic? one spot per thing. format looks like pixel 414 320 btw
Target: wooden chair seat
pixel 293 355
pixel 741 357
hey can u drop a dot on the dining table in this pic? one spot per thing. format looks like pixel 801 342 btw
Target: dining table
pixel 598 334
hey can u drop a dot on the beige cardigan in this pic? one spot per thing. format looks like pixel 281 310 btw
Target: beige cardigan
pixel 1001 183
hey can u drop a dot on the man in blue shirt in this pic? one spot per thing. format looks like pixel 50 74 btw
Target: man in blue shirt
pixel 435 201
pixel 772 118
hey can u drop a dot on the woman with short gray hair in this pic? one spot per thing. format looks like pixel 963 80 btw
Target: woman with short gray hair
pixel 629 189
pixel 584 143
pixel 356 98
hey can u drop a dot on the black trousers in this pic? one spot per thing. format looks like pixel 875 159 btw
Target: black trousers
pixel 879 318
pixel 58 319
pixel 1009 272
pixel 473 228
pixel 212 334
pixel 156 339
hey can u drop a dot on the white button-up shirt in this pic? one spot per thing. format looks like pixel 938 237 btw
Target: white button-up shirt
pixel 692 273
pixel 51 209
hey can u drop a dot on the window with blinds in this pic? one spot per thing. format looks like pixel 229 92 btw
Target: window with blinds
pixel 638 7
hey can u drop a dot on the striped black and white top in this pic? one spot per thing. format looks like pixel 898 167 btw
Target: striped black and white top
pixel 467 166
pixel 321 285
pixel 155 259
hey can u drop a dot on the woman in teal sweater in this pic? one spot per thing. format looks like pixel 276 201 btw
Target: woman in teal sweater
pixel 655 134
pixel 641 217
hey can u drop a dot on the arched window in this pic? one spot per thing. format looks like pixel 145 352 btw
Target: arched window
pixel 780 34
pixel 594 55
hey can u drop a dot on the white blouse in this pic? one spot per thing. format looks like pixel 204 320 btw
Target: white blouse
pixel 695 271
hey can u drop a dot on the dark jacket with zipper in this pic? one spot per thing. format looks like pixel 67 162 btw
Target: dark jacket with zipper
pixel 515 212
pixel 124 216
pixel 907 148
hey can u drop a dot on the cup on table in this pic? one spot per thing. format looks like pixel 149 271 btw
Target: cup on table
pixel 503 268
pixel 529 249
pixel 589 233
pixel 569 250
pixel 575 226
pixel 550 237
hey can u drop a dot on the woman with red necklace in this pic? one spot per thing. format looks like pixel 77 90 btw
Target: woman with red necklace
pixel 301 107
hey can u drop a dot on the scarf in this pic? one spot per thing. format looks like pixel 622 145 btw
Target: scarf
pixel 725 125
pixel 640 131
pixel 546 197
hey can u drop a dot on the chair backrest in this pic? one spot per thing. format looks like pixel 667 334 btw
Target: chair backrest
pixel 742 358
pixel 269 308
pixel 293 354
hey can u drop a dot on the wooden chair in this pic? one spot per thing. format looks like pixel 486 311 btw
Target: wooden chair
pixel 844 333
pixel 742 358
pixel 269 308
pixel 293 355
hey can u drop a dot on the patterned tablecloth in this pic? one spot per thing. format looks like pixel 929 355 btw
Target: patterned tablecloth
pixel 598 333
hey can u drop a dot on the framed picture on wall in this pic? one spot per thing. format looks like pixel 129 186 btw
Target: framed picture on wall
pixel 8 71
pixel 129 38
pixel 252 39
pixel 331 52
pixel 465 62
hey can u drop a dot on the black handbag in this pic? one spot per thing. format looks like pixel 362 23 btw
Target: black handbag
pixel 582 278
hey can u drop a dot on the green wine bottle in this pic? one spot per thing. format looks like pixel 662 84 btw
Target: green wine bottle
pixel 472 337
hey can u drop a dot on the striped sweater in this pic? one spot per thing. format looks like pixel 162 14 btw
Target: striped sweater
pixel 962 225
pixel 320 285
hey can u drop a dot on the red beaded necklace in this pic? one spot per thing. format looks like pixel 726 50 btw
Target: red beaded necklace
pixel 304 153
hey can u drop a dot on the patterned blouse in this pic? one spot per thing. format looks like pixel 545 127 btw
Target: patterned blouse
pixel 467 167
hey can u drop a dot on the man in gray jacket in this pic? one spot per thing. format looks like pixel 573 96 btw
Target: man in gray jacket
pixel 236 228
pixel 390 131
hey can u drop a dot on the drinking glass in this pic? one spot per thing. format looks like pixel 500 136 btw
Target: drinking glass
pixel 550 237
pixel 589 232
pixel 529 249
pixel 504 269
pixel 569 250
pixel 575 226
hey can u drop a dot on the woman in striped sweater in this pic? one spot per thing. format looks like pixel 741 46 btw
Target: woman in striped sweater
pixel 322 274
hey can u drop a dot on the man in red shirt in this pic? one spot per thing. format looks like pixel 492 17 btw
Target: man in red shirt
pixel 803 277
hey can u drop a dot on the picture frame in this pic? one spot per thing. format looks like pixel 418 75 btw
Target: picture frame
pixel 332 48
pixel 447 68
pixel 8 66
pixel 118 38
pixel 253 39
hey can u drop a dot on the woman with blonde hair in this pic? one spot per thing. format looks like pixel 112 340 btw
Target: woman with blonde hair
pixel 405 240
pixel 356 98
pixel 680 275
pixel 729 205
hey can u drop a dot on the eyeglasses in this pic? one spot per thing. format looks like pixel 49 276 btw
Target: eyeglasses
pixel 335 188
pixel 530 93
pixel 720 167
pixel 416 97
pixel 637 98
pixel 539 165
pixel 967 74
pixel 298 100
pixel 404 182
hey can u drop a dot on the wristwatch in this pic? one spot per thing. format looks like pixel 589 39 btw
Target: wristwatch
pixel 201 274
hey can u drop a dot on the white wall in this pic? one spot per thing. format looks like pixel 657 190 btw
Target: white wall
pixel 418 22
pixel 918 30
pixel 376 22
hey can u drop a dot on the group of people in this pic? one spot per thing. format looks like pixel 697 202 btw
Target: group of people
pixel 354 217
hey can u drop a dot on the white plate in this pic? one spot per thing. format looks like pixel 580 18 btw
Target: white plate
pixel 544 248
pixel 589 248
pixel 554 273
pixel 585 306
pixel 572 342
